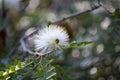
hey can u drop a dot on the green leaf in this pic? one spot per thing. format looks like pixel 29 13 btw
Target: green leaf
pixel 12 68
pixel 20 65
pixel 44 70
pixel 49 23
pixel 34 68
pixel 1 73
pixel 50 68
pixel 75 44
pixel 50 72
pixel 116 13
pixel 7 70
pixel 50 75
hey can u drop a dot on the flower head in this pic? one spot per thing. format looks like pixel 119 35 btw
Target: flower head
pixel 50 38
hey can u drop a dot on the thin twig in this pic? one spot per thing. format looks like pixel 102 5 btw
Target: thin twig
pixel 30 70
pixel 99 2
pixel 106 9
pixel 76 14
pixel 25 49
pixel 21 41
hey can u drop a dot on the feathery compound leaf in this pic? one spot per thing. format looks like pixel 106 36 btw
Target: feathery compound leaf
pixel 44 71
pixel 33 68
pixel 75 44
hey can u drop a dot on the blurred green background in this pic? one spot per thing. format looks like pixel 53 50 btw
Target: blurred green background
pixel 97 61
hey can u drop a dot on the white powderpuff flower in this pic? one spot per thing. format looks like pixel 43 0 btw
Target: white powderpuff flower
pixel 50 38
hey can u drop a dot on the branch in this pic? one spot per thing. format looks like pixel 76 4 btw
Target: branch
pixel 99 2
pixel 76 14
pixel 110 13
pixel 22 43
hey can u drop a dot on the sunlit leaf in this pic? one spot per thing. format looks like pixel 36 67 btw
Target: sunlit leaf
pixel 75 44
pixel 1 73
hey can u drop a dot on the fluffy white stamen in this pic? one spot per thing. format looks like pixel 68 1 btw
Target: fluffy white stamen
pixel 50 38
